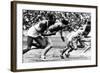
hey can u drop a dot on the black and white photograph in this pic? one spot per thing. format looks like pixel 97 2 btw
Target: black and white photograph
pixel 54 36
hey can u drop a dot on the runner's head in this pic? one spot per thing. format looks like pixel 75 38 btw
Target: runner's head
pixel 65 22
pixel 51 17
pixel 43 26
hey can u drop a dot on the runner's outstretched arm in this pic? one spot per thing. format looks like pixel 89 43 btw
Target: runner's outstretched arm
pixel 62 36
pixel 48 33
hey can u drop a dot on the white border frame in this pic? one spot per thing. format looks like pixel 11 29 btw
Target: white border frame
pixel 60 63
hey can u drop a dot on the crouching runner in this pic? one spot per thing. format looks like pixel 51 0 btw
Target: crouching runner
pixel 35 33
pixel 72 40
pixel 53 29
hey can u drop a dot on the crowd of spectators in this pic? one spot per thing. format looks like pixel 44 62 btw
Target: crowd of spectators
pixel 75 19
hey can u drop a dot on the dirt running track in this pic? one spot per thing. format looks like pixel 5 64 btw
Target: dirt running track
pixel 54 54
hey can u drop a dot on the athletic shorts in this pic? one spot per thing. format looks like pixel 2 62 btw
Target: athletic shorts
pixel 41 41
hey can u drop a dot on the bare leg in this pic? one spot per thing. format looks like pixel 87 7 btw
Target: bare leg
pixel 67 53
pixel 45 51
pixel 25 50
pixel 63 52
pixel 29 43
